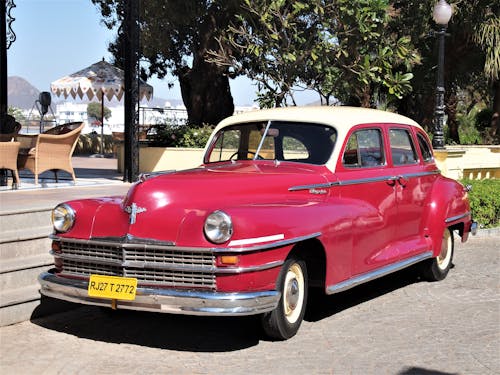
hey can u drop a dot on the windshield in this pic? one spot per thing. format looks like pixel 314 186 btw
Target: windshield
pixel 273 140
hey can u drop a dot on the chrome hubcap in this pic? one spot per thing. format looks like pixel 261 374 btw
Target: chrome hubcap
pixel 292 295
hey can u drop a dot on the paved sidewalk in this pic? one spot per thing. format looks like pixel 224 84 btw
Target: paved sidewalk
pixel 395 325
pixel 94 177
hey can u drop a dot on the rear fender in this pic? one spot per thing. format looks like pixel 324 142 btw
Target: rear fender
pixel 448 208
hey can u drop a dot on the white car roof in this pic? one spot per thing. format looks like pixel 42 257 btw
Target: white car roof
pixel 335 116
pixel 339 117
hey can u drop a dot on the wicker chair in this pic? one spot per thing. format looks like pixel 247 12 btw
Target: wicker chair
pixel 9 130
pixel 51 152
pixel 8 160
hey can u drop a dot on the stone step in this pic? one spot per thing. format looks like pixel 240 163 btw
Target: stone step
pixel 25 225
pixel 20 277
pixel 23 234
pixel 26 248
pixel 25 263
pixel 18 313
pixel 20 295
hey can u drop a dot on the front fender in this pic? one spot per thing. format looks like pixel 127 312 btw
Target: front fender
pixel 256 224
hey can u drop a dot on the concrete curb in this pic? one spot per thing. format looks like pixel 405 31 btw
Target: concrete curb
pixel 488 232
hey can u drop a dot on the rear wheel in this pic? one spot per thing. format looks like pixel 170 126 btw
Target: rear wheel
pixel 437 268
pixel 284 322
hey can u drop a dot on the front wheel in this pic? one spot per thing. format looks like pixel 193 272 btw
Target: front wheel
pixel 284 322
pixel 437 268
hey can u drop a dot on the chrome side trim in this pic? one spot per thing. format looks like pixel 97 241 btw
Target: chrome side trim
pixel 271 245
pixel 262 267
pixel 251 241
pixel 385 178
pixel 361 181
pixel 369 276
pixel 186 302
pixel 458 217
pixel 308 187
pixel 109 241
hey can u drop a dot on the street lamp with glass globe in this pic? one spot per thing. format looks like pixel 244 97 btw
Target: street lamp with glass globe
pixel 441 15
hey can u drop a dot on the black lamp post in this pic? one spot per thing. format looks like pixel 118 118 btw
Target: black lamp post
pixel 441 15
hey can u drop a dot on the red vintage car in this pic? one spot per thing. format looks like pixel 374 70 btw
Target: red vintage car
pixel 285 200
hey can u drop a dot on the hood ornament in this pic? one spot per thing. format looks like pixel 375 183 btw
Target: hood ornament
pixel 133 210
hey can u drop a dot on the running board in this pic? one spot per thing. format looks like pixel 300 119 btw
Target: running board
pixel 369 276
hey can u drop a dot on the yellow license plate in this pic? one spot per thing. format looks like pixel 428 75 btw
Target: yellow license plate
pixel 112 287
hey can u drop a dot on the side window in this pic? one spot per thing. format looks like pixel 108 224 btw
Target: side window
pixel 364 149
pixel 226 145
pixel 402 147
pixel 425 148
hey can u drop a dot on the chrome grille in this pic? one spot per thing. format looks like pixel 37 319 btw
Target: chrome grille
pixel 169 256
pixel 94 250
pixel 150 264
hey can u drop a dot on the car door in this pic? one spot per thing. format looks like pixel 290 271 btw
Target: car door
pixel 414 179
pixel 367 190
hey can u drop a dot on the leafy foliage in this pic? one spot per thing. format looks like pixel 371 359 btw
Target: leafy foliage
pixel 485 202
pixel 175 36
pixel 341 49
pixel 464 60
pixel 94 111
pixel 168 135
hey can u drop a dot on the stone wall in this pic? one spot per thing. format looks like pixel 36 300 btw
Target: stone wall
pixel 471 162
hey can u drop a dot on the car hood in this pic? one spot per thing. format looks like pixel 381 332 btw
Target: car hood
pixel 168 206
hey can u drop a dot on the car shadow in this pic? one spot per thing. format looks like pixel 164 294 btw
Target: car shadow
pixel 163 331
pixel 198 333
pixel 321 306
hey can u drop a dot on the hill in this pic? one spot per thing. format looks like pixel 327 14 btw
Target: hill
pixel 21 93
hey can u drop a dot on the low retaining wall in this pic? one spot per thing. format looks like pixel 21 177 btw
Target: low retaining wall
pixel 471 162
pixel 457 162
pixel 155 159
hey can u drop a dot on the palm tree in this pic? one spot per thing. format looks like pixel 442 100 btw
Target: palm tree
pixel 488 37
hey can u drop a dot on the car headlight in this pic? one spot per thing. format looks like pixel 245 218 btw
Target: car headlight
pixel 63 218
pixel 218 227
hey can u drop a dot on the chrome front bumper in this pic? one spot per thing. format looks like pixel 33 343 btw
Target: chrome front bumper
pixel 165 300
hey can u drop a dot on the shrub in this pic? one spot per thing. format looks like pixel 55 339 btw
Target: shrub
pixel 485 202
pixel 181 136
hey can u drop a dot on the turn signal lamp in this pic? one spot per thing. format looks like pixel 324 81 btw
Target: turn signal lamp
pixel 229 260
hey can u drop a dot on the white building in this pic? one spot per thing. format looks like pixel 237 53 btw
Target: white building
pixel 175 115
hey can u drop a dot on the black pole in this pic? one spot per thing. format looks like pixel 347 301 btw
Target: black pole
pixel 131 159
pixel 3 76
pixel 438 138
pixel 3 62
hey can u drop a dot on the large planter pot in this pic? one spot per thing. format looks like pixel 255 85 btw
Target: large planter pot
pixel 155 159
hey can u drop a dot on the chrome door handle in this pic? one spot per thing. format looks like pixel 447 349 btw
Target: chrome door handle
pixel 402 181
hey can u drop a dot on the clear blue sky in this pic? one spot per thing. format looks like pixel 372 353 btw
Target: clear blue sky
pixel 59 37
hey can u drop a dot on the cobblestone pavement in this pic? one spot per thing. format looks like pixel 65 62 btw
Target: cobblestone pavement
pixel 395 325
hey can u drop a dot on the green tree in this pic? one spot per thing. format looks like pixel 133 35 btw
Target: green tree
pixel 464 58
pixel 338 48
pixel 17 113
pixel 487 36
pixel 94 111
pixel 175 36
